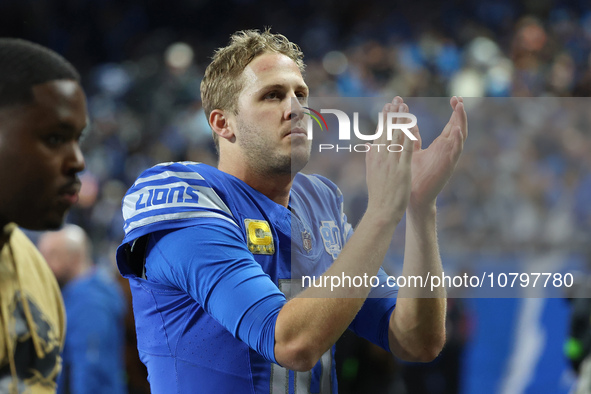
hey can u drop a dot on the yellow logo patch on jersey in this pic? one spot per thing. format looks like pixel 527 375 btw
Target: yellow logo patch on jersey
pixel 260 238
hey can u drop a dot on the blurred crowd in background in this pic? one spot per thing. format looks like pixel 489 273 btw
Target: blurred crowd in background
pixel 142 63
pixel 516 188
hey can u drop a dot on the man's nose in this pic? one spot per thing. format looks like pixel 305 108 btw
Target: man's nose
pixel 74 162
pixel 296 111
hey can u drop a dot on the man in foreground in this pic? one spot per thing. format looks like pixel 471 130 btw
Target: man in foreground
pixel 42 115
pixel 209 251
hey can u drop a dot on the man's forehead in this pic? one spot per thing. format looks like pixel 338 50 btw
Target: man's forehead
pixel 49 93
pixel 61 101
pixel 270 65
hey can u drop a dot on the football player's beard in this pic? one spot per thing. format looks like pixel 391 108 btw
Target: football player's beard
pixel 265 159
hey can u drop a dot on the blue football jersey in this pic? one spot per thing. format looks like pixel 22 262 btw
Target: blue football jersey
pixel 211 261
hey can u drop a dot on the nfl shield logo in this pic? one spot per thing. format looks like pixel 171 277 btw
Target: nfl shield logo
pixel 307 240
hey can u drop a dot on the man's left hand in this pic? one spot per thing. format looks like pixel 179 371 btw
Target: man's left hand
pixel 432 167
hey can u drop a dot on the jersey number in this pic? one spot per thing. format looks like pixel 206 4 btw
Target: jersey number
pixel 315 381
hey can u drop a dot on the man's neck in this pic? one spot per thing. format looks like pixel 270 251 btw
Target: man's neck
pixel 5 231
pixel 275 186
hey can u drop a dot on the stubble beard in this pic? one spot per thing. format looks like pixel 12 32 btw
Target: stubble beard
pixel 265 159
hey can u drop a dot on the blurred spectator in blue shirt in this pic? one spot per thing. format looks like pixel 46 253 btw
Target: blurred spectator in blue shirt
pixel 95 309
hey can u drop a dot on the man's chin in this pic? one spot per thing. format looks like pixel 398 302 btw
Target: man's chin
pixel 43 223
pixel 299 159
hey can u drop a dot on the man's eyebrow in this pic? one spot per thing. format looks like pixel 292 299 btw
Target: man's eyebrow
pixel 69 127
pixel 278 86
pixel 304 88
pixel 65 126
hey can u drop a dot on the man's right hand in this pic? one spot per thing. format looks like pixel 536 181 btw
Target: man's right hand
pixel 389 173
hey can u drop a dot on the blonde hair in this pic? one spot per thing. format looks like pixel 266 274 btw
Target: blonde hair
pixel 222 82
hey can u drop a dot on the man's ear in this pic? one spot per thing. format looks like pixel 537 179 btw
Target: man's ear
pixel 220 124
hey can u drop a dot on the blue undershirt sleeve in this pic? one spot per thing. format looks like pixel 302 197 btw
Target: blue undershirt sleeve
pixel 213 265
